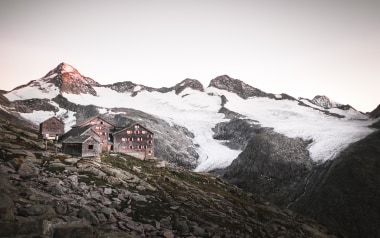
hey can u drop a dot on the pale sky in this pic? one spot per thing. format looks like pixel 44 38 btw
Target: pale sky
pixel 300 47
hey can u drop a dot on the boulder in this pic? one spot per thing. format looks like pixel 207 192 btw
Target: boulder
pixel 6 207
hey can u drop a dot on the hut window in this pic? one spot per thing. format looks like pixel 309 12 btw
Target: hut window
pixel 143 132
pixel 124 148
pixel 123 139
pixel 129 132
pixel 137 132
pixel 137 127
pixel 90 147
pixel 101 123
pixel 130 147
pixel 139 147
pixel 150 136
pixel 130 139
pixel 149 142
pixel 150 152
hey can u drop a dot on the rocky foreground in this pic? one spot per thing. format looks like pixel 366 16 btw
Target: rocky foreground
pixel 52 195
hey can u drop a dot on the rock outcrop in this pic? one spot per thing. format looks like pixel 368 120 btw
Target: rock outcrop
pixel 375 113
pixel 273 166
pixel 237 86
pixel 69 80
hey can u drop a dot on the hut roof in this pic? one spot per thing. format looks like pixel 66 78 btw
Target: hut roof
pixel 79 139
pixel 52 118
pixel 91 118
pixel 130 126
pixel 74 132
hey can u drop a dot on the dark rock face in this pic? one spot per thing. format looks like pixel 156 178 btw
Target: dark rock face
pixel 69 80
pixel 326 103
pixel 323 101
pixel 273 166
pixel 375 113
pixel 3 100
pixel 27 106
pixel 236 86
pixel 344 193
pixel 188 83
pixel 82 112
pixel 242 89
pixel 122 87
pixel 131 87
pixel 237 132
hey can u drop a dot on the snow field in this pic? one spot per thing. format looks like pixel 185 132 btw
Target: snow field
pixel 198 112
pixel 330 135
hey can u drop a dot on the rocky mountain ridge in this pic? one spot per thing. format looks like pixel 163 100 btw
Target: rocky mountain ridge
pixel 69 80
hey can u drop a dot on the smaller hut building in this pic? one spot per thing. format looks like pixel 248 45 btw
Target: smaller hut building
pixel 81 141
pixel 82 146
pixel 52 128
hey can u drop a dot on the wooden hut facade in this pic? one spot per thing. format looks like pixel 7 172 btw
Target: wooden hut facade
pixel 102 128
pixel 82 146
pixel 135 140
pixel 52 128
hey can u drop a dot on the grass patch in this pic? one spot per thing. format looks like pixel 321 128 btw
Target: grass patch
pixel 89 178
pixel 55 169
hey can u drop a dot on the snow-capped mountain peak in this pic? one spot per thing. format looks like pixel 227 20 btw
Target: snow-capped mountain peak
pixel 71 81
pixel 237 86
pixel 325 102
pixel 63 69
pixel 188 83
pixel 62 79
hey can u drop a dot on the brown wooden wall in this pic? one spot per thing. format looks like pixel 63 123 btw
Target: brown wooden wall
pixel 89 148
pixel 134 140
pixel 101 127
pixel 52 126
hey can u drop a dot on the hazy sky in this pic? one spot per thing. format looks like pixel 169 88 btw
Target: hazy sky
pixel 299 47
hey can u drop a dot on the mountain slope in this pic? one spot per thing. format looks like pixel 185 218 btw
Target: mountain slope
pixel 272 165
pixel 375 113
pixel 121 196
pixel 344 193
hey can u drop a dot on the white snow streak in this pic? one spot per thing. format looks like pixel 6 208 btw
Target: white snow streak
pixel 197 111
pixel 39 89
